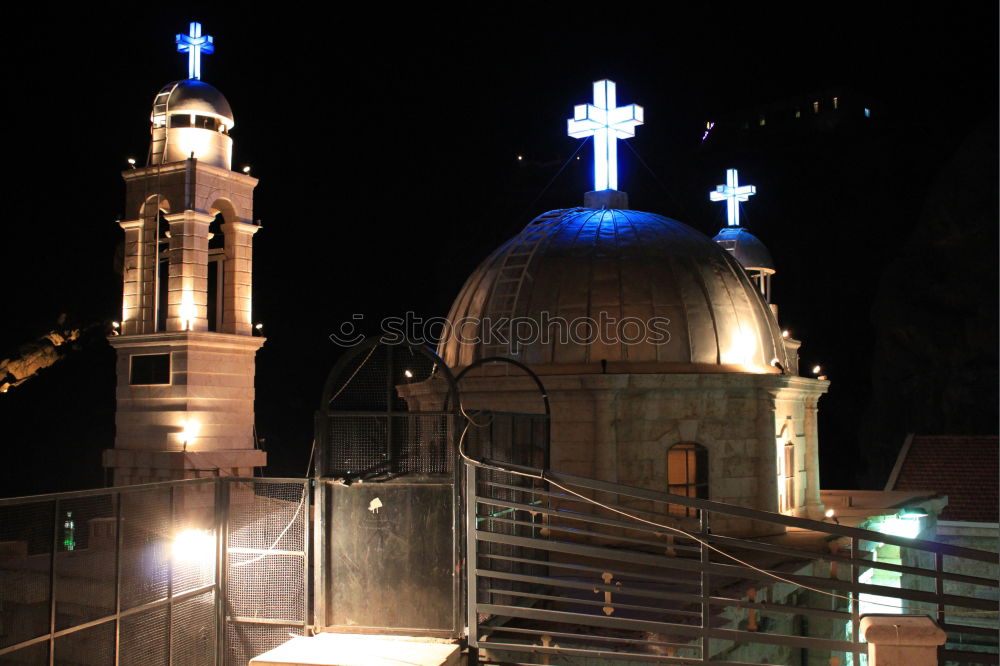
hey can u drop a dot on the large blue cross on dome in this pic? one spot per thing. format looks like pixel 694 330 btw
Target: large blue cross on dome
pixel 194 44
pixel 606 122
pixel 732 193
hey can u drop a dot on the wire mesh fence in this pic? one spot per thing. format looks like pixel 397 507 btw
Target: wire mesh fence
pixel 138 574
pixel 266 565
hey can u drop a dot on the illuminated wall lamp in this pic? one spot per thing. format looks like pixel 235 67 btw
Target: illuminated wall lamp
pixel 189 432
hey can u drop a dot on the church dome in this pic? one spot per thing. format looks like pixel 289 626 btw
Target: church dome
pixel 746 249
pixel 192 96
pixel 659 296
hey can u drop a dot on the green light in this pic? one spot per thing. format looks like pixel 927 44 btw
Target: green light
pixel 69 530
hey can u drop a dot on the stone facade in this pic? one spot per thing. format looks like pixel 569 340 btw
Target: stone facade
pixel 211 386
pixel 619 427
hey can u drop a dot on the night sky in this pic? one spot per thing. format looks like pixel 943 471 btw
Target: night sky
pixel 387 145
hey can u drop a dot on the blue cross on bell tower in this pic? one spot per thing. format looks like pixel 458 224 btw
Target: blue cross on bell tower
pixel 606 122
pixel 732 193
pixel 194 44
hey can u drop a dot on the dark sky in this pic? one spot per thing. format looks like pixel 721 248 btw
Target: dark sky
pixel 387 151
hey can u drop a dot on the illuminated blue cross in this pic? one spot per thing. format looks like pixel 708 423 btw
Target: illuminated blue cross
pixel 732 193
pixel 194 44
pixel 606 122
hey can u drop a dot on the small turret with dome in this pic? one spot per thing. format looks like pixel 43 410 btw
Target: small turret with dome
pixel 190 118
pixel 743 245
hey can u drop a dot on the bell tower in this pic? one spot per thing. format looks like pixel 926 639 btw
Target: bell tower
pixel 186 346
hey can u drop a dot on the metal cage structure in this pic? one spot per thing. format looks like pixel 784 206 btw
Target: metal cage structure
pixel 388 536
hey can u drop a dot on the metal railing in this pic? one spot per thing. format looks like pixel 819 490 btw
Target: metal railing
pixel 202 571
pixel 563 565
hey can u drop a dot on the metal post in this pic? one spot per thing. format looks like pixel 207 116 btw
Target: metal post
pixel 319 553
pixel 389 421
pixel 221 565
pixel 170 582
pixel 471 560
pixel 855 602
pixel 119 546
pixel 939 585
pixel 307 513
pixel 52 584
pixel 706 591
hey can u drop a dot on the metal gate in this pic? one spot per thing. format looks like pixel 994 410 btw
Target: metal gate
pixel 389 544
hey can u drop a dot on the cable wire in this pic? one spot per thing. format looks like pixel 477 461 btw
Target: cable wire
pixel 691 536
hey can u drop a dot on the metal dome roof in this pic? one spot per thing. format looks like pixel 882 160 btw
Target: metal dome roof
pixel 746 248
pixel 195 96
pixel 611 265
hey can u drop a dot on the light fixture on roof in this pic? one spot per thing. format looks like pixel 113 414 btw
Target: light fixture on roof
pixel 131 162
pixel 785 333
pixel 408 373
pixel 817 370
pixel 246 169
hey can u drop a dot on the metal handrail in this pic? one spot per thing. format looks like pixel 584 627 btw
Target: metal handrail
pixel 744 512
pixel 561 564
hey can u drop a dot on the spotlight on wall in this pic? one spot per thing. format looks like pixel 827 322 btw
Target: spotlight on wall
pixel 131 162
pixel 817 369
pixel 830 514
pixel 785 333
pixel 259 328
pixel 194 546
pixel 188 432
pixel 115 328
pixel 408 374
pixel 246 169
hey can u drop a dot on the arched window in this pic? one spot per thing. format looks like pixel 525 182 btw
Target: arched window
pixel 687 473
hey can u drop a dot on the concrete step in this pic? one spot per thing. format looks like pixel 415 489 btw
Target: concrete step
pixel 362 650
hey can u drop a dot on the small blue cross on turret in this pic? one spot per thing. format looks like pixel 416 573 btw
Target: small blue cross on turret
pixel 194 44
pixel 732 193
